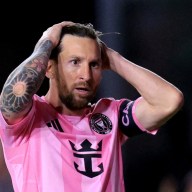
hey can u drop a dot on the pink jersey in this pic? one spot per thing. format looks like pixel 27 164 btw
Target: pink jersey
pixel 50 152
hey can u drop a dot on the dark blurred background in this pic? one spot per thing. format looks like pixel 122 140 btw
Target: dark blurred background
pixel 154 34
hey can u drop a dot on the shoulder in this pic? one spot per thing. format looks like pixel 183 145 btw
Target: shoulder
pixel 40 105
pixel 39 100
pixel 109 101
pixel 108 105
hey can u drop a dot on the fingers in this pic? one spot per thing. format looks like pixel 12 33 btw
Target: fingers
pixel 53 33
pixel 60 25
pixel 64 23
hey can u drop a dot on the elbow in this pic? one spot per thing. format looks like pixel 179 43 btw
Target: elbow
pixel 179 100
pixel 176 103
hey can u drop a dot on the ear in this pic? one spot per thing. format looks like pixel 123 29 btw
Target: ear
pixel 50 69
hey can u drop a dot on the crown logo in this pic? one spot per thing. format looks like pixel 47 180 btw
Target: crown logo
pixel 86 146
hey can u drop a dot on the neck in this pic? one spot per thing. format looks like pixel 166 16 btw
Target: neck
pixel 61 108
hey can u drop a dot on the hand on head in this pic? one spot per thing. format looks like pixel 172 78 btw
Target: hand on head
pixel 53 33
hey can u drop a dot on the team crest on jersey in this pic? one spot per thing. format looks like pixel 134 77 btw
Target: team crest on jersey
pixel 100 123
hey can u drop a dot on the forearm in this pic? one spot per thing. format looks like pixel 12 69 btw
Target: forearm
pixel 151 86
pixel 24 82
pixel 161 99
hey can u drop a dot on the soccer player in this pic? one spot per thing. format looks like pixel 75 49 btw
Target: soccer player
pixel 61 141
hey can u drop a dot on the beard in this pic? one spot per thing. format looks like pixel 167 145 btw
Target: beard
pixel 73 103
pixel 69 99
pixel 70 102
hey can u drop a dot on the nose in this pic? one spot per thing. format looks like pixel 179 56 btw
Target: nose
pixel 85 72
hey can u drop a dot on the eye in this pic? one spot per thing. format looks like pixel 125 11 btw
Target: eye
pixel 95 64
pixel 75 61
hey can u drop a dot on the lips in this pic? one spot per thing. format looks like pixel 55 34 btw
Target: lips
pixel 83 91
pixel 83 88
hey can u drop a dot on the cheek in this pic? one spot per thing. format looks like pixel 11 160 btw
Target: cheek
pixel 68 79
pixel 66 74
pixel 97 77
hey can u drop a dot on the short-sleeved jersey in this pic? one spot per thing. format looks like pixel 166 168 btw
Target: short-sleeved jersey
pixel 51 152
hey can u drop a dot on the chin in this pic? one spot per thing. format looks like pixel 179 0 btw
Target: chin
pixel 81 103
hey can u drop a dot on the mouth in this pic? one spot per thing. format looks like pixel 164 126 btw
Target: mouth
pixel 83 91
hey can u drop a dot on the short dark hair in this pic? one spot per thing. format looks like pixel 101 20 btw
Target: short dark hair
pixel 80 30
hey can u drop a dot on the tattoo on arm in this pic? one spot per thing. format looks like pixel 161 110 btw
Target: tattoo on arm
pixel 25 81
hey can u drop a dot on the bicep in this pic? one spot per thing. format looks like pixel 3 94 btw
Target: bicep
pixel 151 117
pixel 127 122
pixel 13 116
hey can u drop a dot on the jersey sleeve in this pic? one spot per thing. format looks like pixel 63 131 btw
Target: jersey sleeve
pixel 15 132
pixel 128 123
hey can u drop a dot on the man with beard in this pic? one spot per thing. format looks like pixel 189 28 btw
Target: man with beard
pixel 61 141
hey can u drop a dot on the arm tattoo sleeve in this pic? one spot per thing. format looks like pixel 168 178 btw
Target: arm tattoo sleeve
pixel 25 80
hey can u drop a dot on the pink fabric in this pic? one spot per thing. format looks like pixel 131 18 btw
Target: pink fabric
pixel 42 159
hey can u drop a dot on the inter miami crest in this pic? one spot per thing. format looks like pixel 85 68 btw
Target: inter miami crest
pixel 100 123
